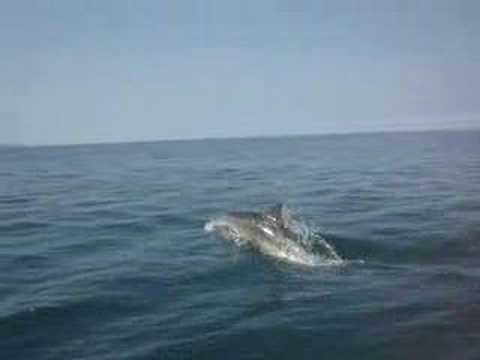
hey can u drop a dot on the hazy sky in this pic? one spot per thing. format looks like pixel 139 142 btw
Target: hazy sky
pixel 91 71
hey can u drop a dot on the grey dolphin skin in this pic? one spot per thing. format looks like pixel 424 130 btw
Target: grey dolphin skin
pixel 269 225
pixel 268 231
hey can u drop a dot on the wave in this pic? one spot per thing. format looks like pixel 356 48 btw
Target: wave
pixel 21 225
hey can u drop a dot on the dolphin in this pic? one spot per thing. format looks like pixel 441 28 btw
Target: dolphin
pixel 273 231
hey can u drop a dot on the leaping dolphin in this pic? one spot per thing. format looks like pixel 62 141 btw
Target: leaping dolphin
pixel 274 232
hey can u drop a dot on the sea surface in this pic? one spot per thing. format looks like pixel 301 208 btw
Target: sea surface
pixel 104 255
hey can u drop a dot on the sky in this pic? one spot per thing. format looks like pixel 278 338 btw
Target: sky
pixel 117 70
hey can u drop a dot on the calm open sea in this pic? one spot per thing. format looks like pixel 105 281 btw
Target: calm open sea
pixel 103 253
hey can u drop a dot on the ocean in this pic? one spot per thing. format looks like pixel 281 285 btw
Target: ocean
pixel 104 253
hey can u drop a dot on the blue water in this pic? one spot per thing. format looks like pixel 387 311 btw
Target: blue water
pixel 103 253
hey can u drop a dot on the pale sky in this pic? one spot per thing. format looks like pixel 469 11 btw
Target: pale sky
pixel 113 70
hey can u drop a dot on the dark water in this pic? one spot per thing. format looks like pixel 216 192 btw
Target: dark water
pixel 103 254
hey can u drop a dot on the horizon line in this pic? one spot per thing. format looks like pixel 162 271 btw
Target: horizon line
pixel 247 137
